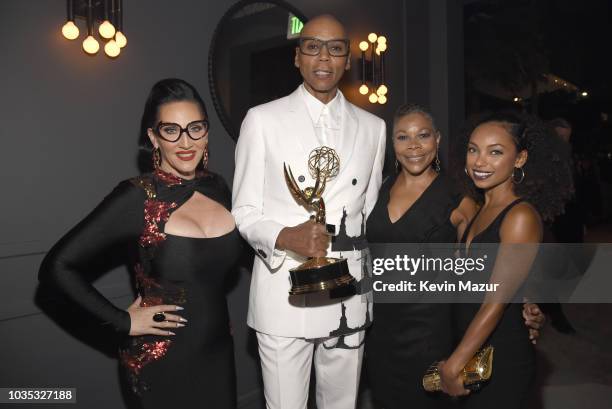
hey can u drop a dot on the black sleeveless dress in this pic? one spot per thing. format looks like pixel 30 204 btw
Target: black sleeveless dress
pixel 194 368
pixel 406 338
pixel 514 357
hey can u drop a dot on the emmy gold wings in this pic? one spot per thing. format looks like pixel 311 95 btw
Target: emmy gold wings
pixel 295 190
pixel 307 195
pixel 314 193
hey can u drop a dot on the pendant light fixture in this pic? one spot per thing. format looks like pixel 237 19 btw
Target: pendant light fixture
pixel 120 38
pixel 109 14
pixel 90 44
pixel 70 30
pixel 106 29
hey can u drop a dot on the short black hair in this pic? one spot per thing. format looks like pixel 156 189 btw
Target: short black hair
pixel 162 92
pixel 407 109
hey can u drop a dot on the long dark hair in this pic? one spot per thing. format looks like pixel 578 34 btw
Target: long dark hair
pixel 548 182
pixel 164 91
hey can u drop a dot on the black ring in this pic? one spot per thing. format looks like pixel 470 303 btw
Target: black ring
pixel 159 317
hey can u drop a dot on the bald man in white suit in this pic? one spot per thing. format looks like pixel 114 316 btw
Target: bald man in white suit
pixel 292 331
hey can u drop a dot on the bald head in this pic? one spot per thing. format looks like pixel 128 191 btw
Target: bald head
pixel 325 27
pixel 322 70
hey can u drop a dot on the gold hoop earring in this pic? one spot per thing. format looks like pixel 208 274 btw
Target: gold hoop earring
pixel 466 172
pixel 397 166
pixel 521 178
pixel 156 158
pixel 205 157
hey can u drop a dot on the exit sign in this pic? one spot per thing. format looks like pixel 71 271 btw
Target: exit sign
pixel 294 27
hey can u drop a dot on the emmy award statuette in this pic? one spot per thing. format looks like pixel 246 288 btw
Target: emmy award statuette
pixel 317 273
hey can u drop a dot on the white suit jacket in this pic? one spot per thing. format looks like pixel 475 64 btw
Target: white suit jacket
pixel 280 132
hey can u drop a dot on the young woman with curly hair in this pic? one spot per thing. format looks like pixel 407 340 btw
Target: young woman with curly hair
pixel 515 168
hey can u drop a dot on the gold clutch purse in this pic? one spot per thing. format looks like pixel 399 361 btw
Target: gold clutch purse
pixel 477 371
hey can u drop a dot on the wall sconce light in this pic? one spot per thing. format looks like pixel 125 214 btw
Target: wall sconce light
pixel 373 71
pixel 110 15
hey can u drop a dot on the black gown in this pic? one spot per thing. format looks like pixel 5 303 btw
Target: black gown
pixel 406 338
pixel 194 368
pixel 514 357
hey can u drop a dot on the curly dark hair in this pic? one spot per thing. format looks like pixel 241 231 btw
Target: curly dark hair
pixel 548 182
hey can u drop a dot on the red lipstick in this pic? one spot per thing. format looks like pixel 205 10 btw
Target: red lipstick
pixel 186 155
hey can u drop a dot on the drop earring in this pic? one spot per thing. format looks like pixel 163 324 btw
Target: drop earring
pixel 436 163
pixel 205 157
pixel 156 158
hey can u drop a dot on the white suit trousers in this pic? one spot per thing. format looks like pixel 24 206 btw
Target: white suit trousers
pixel 286 366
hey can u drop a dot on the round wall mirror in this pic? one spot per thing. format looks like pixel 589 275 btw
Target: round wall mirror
pixel 251 58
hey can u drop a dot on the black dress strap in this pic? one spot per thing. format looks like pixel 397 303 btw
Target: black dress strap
pixel 510 206
pixel 469 226
pixel 500 217
pixel 494 225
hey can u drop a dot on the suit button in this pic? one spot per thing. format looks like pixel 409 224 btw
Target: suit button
pixel 262 253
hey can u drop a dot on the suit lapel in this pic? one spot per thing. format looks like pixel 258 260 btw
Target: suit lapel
pixel 301 124
pixel 304 135
pixel 346 145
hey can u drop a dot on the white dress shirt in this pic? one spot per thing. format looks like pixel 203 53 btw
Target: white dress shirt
pixel 326 118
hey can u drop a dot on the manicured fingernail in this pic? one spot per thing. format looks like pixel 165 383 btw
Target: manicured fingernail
pixel 183 320
pixel 180 325
pixel 171 333
pixel 179 308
